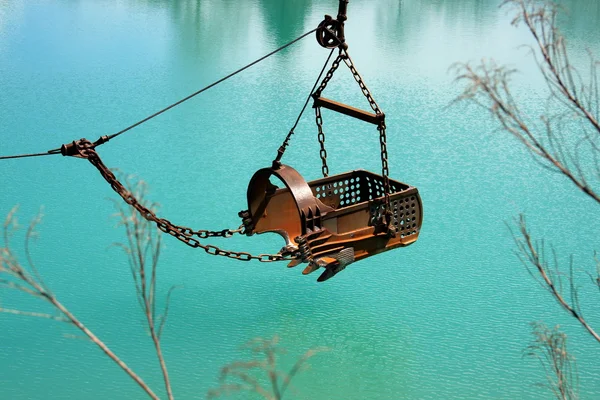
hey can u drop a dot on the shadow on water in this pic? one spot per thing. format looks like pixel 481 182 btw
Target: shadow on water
pixel 402 19
pixel 285 19
pixel 230 22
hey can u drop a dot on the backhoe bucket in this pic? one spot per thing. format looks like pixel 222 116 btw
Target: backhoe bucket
pixel 334 221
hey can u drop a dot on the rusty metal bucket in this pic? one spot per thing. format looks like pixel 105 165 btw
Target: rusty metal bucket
pixel 332 221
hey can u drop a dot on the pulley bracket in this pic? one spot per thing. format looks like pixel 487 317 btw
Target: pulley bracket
pixel 330 32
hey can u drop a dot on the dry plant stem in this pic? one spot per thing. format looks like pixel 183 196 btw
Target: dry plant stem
pixel 33 314
pixel 596 278
pixel 68 317
pixel 163 365
pixel 104 348
pixel 558 143
pixel 517 127
pixel 242 371
pixel 34 286
pixel 143 250
pixel 163 319
pixel 550 348
pixel 534 258
pixel 287 379
pixel 488 87
pixel 545 47
pixel 149 309
pixel 270 353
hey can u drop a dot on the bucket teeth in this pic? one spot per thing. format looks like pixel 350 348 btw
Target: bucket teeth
pixel 328 273
pixel 312 267
pixel 332 266
pixel 294 263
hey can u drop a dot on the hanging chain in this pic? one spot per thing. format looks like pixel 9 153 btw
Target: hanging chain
pixel 329 75
pixel 385 171
pixel 319 118
pixel 361 83
pixel 85 149
pixel 286 141
pixel 322 152
pixel 343 55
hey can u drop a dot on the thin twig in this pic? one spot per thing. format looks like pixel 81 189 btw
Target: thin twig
pixel 537 261
pixel 242 370
pixel 488 87
pixel 550 348
pixel 163 318
pixel 143 251
pixel 34 287
pixel 34 314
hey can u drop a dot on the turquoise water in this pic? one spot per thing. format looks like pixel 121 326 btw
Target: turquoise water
pixel 445 318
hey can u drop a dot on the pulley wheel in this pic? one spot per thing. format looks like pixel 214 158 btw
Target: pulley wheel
pixel 327 33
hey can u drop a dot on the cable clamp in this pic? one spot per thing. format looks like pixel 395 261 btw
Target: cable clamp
pixel 79 148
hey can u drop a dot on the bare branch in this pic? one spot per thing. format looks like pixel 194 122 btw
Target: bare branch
pixel 596 277
pixel 31 234
pixel 13 285
pixel 34 286
pixel 537 261
pixel 143 251
pixel 163 317
pixel 10 225
pixel 487 85
pixel 35 314
pixel 550 348
pixel 241 370
pixel 301 362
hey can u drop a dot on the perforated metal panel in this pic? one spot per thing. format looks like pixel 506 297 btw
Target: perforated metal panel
pixel 363 189
pixel 352 188
pixel 406 214
pixel 341 192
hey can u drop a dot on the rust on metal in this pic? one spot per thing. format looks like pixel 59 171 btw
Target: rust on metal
pixel 330 32
pixel 354 112
pixel 333 221
pixel 327 223
pixel 85 149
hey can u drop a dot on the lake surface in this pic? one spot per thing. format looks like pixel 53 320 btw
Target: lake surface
pixel 447 317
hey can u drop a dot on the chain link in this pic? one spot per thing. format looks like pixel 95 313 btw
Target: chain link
pixel 322 152
pixel 286 141
pixel 361 84
pixel 329 75
pixel 85 149
pixel 385 171
pixel 319 118
pixel 343 55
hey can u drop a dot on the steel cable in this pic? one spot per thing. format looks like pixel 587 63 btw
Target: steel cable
pixel 108 137
pixel 286 141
